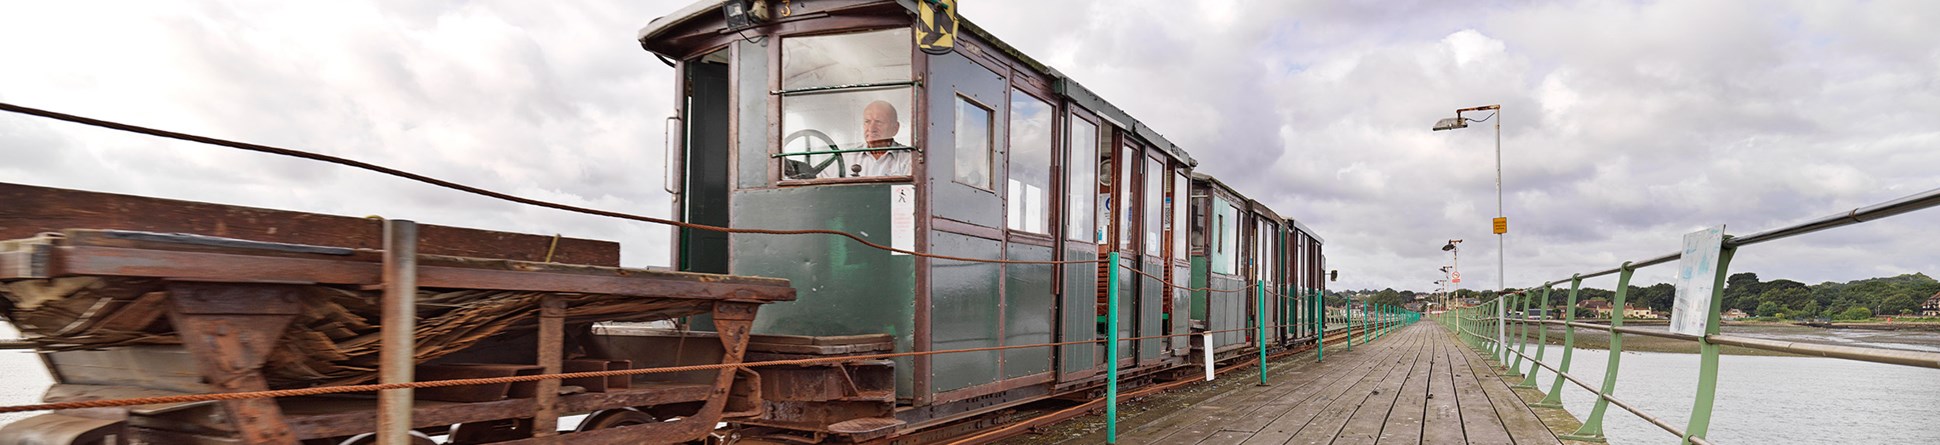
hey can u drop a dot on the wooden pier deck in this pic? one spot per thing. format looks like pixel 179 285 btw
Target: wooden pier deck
pixel 1416 386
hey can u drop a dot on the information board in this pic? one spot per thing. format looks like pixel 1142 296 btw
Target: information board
pixel 1697 269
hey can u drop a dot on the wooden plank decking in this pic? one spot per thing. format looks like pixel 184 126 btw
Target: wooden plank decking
pixel 1415 386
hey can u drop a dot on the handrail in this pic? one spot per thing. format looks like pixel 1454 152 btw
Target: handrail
pixel 1474 325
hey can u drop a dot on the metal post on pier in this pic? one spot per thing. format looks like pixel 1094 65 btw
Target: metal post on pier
pixel 1707 389
pixel 1320 327
pixel 1555 397
pixel 1592 429
pixel 396 358
pixel 1111 349
pixel 1259 292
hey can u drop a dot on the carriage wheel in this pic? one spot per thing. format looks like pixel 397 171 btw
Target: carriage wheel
pixel 417 438
pixel 614 418
pixel 491 431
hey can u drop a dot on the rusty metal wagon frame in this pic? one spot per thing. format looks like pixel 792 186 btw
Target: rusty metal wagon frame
pixel 214 310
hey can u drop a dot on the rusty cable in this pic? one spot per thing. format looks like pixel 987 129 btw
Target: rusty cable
pixel 279 393
pixel 484 192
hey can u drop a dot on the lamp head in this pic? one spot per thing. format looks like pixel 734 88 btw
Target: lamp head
pixel 1451 123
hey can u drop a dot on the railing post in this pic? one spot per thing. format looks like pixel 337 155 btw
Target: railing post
pixel 1501 326
pixel 1592 430
pixel 1111 349
pixel 1555 397
pixel 1522 338
pixel 1259 293
pixel 1707 388
pixel 1319 317
pixel 1347 310
pixel 1542 341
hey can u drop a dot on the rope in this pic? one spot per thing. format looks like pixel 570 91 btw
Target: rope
pixel 481 191
pixel 279 393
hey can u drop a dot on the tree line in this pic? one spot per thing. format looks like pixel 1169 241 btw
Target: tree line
pixel 1782 298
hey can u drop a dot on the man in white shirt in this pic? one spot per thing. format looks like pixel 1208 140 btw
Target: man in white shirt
pixel 879 128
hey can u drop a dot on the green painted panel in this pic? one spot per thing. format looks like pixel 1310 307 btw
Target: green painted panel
pixel 963 311
pixel 1151 309
pixel 1127 305
pixel 1080 311
pixel 842 288
pixel 953 75
pixel 751 140
pixel 1181 308
pixel 1200 271
pixel 1028 311
pixel 1229 311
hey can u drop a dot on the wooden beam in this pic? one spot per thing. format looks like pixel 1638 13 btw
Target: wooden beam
pixel 30 210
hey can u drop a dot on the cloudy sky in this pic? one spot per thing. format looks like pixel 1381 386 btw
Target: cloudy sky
pixel 1625 124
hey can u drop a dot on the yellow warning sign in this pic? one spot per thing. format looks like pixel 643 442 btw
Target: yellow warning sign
pixel 936 26
pixel 1501 225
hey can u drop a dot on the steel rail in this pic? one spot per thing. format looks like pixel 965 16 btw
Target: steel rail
pixel 1905 204
pixel 1856 353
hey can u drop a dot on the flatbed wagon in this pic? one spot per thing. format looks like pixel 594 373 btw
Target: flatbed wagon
pixel 124 313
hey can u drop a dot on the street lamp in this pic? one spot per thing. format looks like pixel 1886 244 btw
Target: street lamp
pixel 1501 222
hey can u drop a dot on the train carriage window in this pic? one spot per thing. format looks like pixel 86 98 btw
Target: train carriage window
pixel 1154 199
pixel 1084 181
pixel 1179 205
pixel 842 94
pixel 1029 186
pixel 859 58
pixel 1127 165
pixel 973 150
pixel 1226 255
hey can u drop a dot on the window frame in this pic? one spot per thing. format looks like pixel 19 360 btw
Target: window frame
pixel 777 104
pixel 1053 203
pixel 1075 115
pixel 990 143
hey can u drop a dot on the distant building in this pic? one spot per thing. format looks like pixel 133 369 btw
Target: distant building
pixel 1602 307
pixel 1639 312
pixel 1735 314
pixel 1932 307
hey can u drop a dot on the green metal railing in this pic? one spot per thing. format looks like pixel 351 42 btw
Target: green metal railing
pixel 1485 327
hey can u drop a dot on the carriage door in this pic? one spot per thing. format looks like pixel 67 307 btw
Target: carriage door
pixel 1177 201
pixel 1081 240
pixel 1153 303
pixel 703 194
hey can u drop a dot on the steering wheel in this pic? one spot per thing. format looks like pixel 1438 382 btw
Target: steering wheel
pixel 810 145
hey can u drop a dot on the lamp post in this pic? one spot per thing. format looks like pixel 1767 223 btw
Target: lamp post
pixel 1501 222
pixel 1452 273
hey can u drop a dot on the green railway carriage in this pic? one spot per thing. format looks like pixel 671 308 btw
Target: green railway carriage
pixel 830 115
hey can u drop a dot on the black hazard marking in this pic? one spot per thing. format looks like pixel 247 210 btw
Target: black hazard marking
pixel 936 26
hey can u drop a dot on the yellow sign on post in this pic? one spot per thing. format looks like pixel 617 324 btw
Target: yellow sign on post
pixel 1501 225
pixel 936 26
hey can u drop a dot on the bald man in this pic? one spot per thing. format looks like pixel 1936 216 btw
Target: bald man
pixel 879 128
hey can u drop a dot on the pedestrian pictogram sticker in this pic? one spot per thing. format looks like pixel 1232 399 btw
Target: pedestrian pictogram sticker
pixel 936 26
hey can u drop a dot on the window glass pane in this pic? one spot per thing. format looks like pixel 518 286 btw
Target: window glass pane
pixel 1154 197
pixel 1127 161
pixel 1231 228
pixel 1225 256
pixel 845 59
pixel 973 144
pixel 1180 202
pixel 1084 181
pixel 842 121
pixel 1269 264
pixel 1030 163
